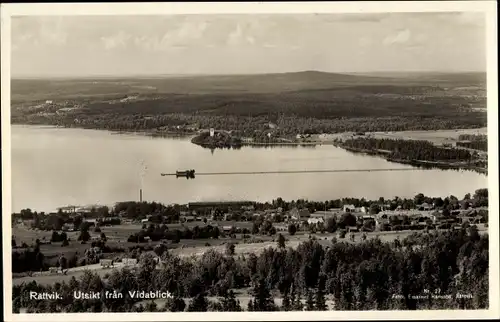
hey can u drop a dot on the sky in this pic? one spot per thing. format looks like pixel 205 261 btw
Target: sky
pixel 72 46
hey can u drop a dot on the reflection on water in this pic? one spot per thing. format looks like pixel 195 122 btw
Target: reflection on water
pixel 53 167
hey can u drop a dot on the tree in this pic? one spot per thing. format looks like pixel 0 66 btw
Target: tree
pixel 292 229
pixel 374 209
pixel 281 241
pixel 262 297
pixel 230 249
pixel 230 303
pixel 320 294
pixel 215 233
pixel 160 249
pixel 250 306
pixel 13 242
pixel 331 225
pixel 347 220
pixel 55 237
pixel 419 199
pixel 63 262
pixel 310 300
pixel 103 237
pixel 84 236
pixel 97 229
pixel 198 304
pixel 286 304
pixel 65 243
pixel 175 304
pixel 255 228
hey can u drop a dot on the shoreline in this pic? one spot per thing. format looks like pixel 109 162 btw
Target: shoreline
pixel 330 140
pixel 415 163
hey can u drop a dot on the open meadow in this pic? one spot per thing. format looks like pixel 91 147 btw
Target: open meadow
pixel 190 248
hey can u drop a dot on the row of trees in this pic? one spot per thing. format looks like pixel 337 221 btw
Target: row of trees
pixel 360 276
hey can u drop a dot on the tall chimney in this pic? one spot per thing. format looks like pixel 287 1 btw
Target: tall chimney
pixel 140 195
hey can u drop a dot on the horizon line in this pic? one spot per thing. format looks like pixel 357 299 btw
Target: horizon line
pixel 244 74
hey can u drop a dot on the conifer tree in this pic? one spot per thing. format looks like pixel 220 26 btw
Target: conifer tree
pixel 309 300
pixel 230 303
pixel 262 297
pixel 198 304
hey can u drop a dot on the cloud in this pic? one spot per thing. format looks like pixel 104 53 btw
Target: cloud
pixel 183 35
pixel 401 37
pixel 115 41
pixel 236 36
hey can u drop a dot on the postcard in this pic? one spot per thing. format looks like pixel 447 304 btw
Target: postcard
pixel 250 161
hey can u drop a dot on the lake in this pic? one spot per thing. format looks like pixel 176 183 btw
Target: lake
pixel 52 167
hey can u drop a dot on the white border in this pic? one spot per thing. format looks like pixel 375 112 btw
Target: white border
pixel 488 7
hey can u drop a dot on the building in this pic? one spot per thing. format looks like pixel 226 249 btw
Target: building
pixel 362 209
pixel 425 207
pixel 189 218
pixel 381 220
pixel 281 227
pixel 227 229
pixel 92 221
pixel 349 208
pixel 129 261
pixel 299 214
pixel 212 132
pixel 315 221
pixel 326 214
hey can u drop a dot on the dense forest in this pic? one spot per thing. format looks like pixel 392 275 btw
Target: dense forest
pixel 365 276
pixel 353 108
pixel 410 149
pixel 476 142
pixel 255 126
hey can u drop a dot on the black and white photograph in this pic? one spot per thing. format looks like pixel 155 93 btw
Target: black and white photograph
pixel 169 161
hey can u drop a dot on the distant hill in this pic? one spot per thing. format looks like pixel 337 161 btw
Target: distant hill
pixel 44 89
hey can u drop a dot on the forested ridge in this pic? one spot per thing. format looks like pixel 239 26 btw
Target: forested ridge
pixel 363 276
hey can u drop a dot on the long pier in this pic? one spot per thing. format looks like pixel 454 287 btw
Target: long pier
pixel 292 171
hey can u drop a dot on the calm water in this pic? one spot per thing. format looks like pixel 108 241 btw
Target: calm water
pixel 54 167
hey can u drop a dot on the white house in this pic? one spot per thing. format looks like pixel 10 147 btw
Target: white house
pixel 302 214
pixel 349 208
pixel 314 221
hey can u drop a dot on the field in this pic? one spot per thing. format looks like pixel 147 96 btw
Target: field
pixel 437 137
pixel 197 248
